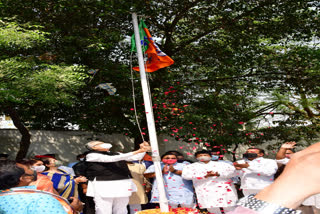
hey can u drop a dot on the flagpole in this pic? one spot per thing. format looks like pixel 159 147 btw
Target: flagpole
pixel 150 120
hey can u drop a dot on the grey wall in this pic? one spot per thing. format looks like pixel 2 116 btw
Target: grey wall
pixel 68 144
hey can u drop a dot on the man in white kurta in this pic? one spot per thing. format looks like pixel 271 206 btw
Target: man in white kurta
pixel 255 171
pixel 111 196
pixel 212 182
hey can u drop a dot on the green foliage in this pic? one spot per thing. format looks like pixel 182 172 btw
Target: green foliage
pixel 29 78
pixel 14 37
pixel 24 82
pixel 237 65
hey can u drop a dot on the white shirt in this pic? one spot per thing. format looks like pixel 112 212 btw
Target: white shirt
pixel 259 174
pixel 115 188
pixel 216 191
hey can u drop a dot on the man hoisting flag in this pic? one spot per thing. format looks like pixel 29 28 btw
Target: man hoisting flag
pixel 156 58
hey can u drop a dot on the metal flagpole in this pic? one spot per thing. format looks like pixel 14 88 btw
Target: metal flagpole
pixel 150 120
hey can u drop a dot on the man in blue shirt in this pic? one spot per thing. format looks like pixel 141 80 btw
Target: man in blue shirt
pixel 17 197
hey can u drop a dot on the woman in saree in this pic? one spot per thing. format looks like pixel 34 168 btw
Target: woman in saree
pixel 65 184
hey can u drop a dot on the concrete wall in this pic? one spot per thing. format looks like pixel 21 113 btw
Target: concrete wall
pixel 68 144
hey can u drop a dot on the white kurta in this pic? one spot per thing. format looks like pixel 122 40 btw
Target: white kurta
pixel 259 174
pixel 116 188
pixel 212 191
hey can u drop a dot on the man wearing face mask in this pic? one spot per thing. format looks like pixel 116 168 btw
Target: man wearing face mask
pixel 110 182
pixel 179 191
pixel 255 171
pixel 216 155
pixel 211 180
pixel 79 158
pixel 180 157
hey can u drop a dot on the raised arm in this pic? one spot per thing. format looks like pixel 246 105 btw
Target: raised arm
pixel 144 146
pixel 96 157
pixel 281 154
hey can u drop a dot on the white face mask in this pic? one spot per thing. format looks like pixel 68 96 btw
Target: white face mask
pixel 204 158
pixel 40 168
pixel 81 159
pixel 105 146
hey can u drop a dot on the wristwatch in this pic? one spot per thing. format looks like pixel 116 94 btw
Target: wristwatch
pixel 263 207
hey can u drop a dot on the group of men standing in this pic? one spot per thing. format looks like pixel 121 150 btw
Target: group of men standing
pixel 213 178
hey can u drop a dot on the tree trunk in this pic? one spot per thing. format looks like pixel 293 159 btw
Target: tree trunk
pixel 25 139
pixel 234 153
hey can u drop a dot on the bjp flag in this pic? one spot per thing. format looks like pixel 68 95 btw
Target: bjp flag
pixel 156 58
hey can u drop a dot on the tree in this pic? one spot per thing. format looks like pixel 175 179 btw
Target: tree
pixel 228 54
pixel 29 80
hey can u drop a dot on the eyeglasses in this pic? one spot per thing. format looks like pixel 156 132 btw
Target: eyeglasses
pixel 170 158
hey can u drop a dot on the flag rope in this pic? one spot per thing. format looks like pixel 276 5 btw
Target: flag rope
pixel 134 98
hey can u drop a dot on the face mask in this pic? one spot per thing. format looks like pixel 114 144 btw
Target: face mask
pixel 204 158
pixel 81 159
pixel 106 146
pixel 250 155
pixel 38 168
pixel 169 161
pixel 214 157
pixel 58 163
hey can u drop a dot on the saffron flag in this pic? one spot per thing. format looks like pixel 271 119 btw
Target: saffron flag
pixel 156 58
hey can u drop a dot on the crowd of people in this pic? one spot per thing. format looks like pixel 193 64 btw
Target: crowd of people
pixel 107 182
